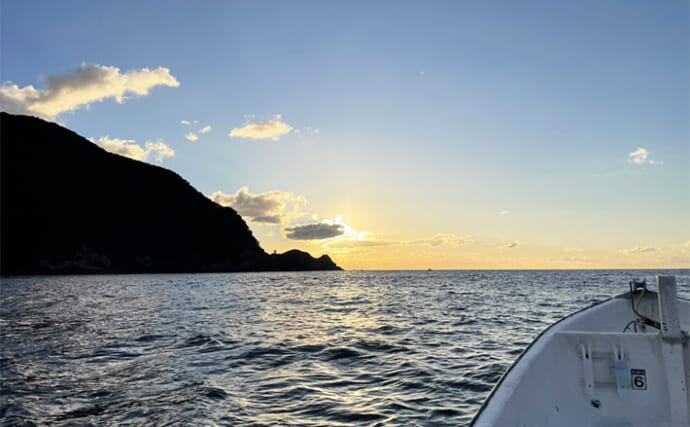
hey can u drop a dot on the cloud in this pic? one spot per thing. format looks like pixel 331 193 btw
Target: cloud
pixel 641 156
pixel 308 130
pixel 272 129
pixel 129 148
pixel 318 231
pixel 503 213
pixel 512 245
pixel 268 208
pixel 351 239
pixel 638 156
pixel 340 237
pixel 354 244
pixel 191 136
pixel 685 247
pixel 639 250
pixel 87 84
pixel 572 250
pixel 326 229
pixel 367 242
pixel 441 239
pixel 276 219
pixel 160 150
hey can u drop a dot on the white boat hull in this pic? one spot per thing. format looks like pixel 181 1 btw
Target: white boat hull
pixel 585 371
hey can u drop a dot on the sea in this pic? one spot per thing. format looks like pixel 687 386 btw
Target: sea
pixel 345 348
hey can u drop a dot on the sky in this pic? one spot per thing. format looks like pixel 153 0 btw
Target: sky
pixel 388 134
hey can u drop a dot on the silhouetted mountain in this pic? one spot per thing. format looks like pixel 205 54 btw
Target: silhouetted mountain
pixel 68 206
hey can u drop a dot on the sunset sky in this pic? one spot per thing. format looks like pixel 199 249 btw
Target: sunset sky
pixel 388 135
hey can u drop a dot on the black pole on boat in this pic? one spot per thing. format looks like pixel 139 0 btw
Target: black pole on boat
pixel 644 320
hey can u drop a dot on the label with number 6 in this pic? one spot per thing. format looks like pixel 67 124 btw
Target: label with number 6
pixel 639 379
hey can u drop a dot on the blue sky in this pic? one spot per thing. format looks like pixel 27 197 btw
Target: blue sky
pixel 447 134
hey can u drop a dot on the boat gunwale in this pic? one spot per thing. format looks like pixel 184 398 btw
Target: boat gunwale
pixel 494 390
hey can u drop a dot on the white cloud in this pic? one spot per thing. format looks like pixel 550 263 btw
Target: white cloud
pixel 638 156
pixel 639 250
pixel 272 129
pixel 273 207
pixel 87 84
pixel 129 148
pixel 641 156
pixel 160 150
pixel 191 136
pixel 503 213
pixel 512 245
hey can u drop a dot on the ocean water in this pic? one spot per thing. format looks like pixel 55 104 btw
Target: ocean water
pixel 259 349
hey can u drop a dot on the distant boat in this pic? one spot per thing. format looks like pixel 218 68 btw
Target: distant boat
pixel 622 362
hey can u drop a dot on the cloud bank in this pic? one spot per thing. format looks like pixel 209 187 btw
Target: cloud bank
pixel 129 148
pixel 340 236
pixel 269 129
pixel 86 85
pixel 367 242
pixel 273 207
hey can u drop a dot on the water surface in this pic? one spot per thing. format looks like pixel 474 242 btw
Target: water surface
pixel 308 349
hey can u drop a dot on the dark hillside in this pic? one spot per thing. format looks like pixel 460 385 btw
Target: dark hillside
pixel 68 206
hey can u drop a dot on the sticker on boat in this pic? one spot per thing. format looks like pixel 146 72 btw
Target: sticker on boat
pixel 639 379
